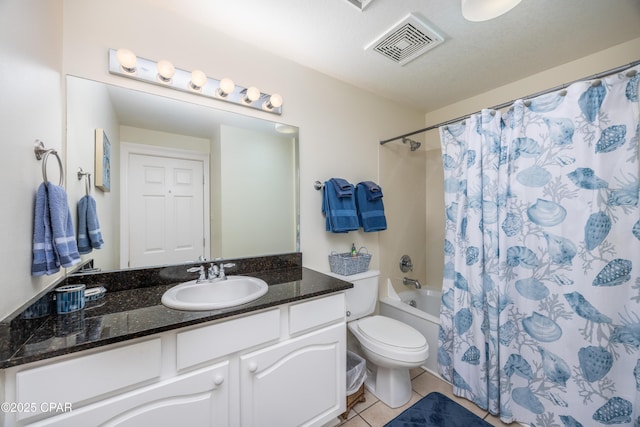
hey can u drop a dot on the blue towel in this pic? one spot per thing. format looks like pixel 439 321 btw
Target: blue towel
pixel 340 212
pixel 342 186
pixel 374 190
pixel 89 234
pixel 54 242
pixel 370 212
pixel 64 237
pixel 44 257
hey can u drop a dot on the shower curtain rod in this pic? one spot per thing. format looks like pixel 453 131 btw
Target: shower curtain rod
pixel 509 103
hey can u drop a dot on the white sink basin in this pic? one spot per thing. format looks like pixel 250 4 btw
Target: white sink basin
pixel 219 293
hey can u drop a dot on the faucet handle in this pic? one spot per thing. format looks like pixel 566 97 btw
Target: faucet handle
pixel 200 270
pixel 223 266
pixel 406 264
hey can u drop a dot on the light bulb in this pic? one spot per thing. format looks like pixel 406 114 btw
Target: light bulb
pixel 198 79
pixel 226 87
pixel 253 94
pixel 127 60
pixel 166 70
pixel 275 101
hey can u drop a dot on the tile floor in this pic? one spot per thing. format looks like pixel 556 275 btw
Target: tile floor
pixel 373 413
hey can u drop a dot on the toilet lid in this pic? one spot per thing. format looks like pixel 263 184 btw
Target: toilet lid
pixel 391 332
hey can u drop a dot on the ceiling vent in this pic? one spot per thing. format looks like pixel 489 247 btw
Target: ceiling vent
pixel 405 41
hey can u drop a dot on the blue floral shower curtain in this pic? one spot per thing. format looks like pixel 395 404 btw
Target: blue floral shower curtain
pixel 540 317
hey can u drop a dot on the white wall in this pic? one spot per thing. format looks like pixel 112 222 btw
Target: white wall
pixel 404 186
pixel 31 107
pixel 252 203
pixel 82 123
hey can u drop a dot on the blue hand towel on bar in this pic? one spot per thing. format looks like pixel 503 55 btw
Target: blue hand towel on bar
pixel 64 238
pixel 342 186
pixel 44 257
pixel 370 212
pixel 89 234
pixel 374 191
pixel 340 212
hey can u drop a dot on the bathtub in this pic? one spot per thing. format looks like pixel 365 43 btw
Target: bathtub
pixel 423 314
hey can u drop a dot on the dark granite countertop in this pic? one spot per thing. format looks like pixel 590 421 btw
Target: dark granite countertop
pixel 132 313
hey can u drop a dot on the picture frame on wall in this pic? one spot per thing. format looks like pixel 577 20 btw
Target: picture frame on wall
pixel 103 161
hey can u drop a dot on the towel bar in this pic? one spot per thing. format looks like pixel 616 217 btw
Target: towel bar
pixel 87 182
pixel 43 154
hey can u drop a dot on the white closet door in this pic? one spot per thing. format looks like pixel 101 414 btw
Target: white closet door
pixel 166 210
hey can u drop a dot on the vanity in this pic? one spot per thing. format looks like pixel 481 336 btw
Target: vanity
pixel 127 360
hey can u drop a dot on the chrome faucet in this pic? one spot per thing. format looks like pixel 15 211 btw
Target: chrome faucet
pixel 217 271
pixel 411 282
pixel 213 272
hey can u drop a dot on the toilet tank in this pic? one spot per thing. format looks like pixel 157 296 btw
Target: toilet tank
pixel 361 299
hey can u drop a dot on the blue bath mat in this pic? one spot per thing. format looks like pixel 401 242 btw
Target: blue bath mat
pixel 437 410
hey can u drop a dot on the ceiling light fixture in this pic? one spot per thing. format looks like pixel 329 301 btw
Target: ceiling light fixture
pixel 124 62
pixel 484 10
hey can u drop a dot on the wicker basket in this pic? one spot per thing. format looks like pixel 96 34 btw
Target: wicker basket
pixel 346 264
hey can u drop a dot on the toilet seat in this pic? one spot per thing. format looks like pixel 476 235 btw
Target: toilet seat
pixel 391 338
pixel 392 332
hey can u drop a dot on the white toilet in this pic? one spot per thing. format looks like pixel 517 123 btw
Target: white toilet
pixel 389 346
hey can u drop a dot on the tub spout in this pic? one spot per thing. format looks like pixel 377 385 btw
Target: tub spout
pixel 411 282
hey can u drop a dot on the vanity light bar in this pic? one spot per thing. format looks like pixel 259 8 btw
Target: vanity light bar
pixel 175 78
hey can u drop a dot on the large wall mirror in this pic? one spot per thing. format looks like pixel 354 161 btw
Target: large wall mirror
pixel 177 180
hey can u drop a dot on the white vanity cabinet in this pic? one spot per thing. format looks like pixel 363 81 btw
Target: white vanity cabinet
pixel 201 398
pixel 294 383
pixel 281 366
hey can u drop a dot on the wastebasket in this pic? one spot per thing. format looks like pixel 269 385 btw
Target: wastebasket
pixel 356 374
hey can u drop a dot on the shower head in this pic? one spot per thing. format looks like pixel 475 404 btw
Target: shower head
pixel 413 145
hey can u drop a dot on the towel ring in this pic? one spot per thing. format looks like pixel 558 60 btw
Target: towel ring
pixel 43 154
